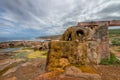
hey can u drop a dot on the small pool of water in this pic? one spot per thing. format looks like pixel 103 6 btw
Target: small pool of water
pixel 9 49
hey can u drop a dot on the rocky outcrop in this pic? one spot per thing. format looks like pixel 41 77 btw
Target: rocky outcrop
pixel 6 55
pixel 77 73
pixel 42 46
pixel 4 45
pixel 32 44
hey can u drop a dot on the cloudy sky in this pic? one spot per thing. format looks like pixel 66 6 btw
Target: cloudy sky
pixel 33 18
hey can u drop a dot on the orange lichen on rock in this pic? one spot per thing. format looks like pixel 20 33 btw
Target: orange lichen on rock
pixel 64 62
pixel 88 69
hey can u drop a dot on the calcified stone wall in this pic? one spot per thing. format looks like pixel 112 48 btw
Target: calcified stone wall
pixel 79 45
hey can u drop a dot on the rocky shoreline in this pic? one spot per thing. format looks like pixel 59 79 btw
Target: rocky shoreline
pixel 31 44
pixel 22 57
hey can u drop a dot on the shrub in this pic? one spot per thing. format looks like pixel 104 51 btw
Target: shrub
pixel 112 60
pixel 116 41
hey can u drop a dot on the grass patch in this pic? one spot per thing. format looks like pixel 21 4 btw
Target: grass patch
pixel 114 31
pixel 37 54
pixel 21 56
pixel 112 60
pixel 114 35
pixel 28 54
pixel 27 48
pixel 116 41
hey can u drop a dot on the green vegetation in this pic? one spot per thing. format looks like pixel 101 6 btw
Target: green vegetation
pixel 116 41
pixel 21 56
pixel 114 32
pixel 28 53
pixel 112 60
pixel 22 53
pixel 114 35
pixel 27 48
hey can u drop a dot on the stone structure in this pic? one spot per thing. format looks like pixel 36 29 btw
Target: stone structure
pixel 79 45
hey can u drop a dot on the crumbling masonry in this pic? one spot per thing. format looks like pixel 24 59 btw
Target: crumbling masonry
pixel 86 43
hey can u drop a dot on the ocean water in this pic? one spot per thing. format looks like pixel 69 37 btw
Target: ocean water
pixel 12 39
pixel 19 39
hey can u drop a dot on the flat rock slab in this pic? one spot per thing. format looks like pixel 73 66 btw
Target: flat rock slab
pixel 76 72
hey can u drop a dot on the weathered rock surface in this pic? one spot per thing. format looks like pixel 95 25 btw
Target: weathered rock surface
pixel 23 71
pixel 9 66
pixel 42 46
pixel 76 72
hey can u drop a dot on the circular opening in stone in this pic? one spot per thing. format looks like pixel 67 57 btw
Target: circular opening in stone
pixel 80 33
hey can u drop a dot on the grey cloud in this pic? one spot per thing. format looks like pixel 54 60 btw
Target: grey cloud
pixel 115 7
pixel 54 16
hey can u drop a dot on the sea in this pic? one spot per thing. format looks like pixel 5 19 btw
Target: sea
pixel 19 39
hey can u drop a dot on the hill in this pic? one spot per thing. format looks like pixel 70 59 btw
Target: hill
pixel 53 37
